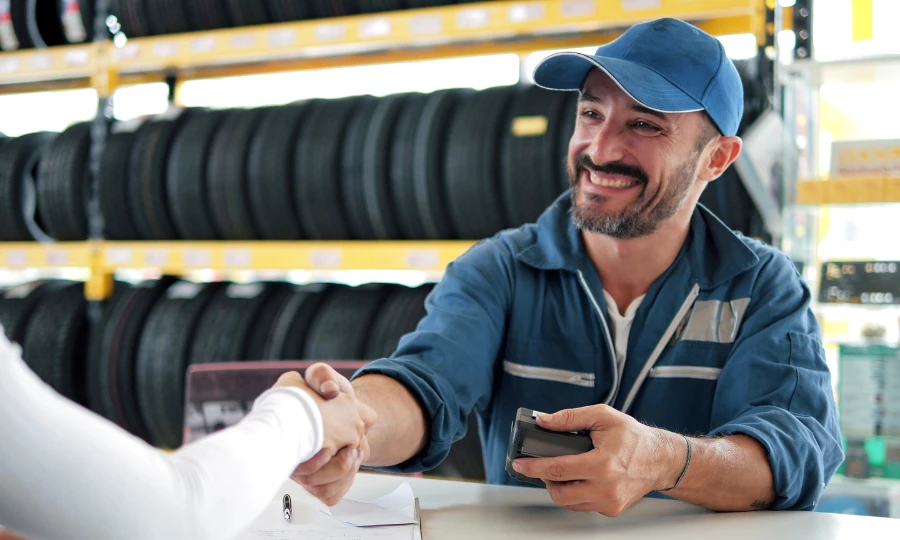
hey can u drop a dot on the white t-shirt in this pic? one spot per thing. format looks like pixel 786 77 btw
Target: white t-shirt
pixel 67 473
pixel 621 326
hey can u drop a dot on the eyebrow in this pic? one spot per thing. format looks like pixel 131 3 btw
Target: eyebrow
pixel 637 107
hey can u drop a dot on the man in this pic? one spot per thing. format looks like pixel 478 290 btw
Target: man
pixel 688 351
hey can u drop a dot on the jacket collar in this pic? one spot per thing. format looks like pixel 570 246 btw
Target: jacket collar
pixel 715 252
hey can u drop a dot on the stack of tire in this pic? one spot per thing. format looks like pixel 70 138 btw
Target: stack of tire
pixel 29 24
pixel 452 164
pixel 140 18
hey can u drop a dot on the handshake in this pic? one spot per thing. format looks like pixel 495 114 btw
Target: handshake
pixel 329 474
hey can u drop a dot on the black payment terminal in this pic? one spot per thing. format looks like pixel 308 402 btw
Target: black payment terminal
pixel 528 439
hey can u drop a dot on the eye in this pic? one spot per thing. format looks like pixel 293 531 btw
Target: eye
pixel 646 127
pixel 590 113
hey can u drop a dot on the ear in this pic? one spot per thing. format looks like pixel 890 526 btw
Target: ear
pixel 719 154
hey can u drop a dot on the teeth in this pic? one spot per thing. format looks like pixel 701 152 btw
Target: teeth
pixel 604 182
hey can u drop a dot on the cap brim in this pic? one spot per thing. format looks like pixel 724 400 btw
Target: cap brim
pixel 568 70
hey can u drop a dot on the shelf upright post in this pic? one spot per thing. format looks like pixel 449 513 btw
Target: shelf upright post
pixel 104 80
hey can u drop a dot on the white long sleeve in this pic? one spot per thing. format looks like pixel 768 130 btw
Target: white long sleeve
pixel 68 473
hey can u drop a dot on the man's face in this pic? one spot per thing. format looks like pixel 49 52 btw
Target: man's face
pixel 630 168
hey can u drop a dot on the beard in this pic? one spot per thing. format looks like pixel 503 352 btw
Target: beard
pixel 641 217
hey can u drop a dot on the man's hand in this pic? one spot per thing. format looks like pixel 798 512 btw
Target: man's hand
pixel 628 461
pixel 345 419
pixel 329 475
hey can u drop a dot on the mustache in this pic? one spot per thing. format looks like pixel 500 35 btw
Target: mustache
pixel 614 167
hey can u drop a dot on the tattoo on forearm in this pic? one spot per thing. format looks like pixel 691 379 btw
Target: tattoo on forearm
pixel 760 505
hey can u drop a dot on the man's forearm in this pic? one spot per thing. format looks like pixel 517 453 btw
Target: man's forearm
pixel 726 474
pixel 401 429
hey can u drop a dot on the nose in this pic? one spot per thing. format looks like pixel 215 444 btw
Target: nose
pixel 606 144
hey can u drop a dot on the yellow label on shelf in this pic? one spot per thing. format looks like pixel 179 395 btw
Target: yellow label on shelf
pixel 529 126
pixel 812 192
pixel 892 189
pixel 855 190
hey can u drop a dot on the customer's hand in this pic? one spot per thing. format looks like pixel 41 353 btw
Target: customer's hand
pixel 629 460
pixel 329 476
pixel 345 419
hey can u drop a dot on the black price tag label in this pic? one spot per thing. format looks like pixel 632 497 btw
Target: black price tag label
pixel 860 282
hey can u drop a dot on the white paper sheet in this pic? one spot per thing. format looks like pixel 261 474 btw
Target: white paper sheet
pixel 396 508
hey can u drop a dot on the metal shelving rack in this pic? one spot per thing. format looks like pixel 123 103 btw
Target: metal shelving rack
pixel 519 27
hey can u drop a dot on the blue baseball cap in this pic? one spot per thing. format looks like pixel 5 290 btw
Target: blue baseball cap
pixel 667 65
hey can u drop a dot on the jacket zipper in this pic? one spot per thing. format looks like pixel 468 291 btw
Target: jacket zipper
pixel 686 372
pixel 654 356
pixel 609 343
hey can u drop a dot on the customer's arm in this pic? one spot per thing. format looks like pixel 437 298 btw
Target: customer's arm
pixel 66 472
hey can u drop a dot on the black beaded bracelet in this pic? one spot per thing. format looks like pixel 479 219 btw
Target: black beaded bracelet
pixel 687 462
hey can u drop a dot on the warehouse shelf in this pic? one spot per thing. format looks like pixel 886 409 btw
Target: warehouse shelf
pixel 848 191
pixel 440 32
pixel 21 255
pixel 72 65
pixel 181 257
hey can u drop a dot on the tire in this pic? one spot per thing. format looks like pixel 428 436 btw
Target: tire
pixel 288 10
pixel 62 186
pixel 342 323
pixel 270 165
pixel 471 166
pixel 21 38
pixel 19 159
pixel 227 176
pixel 112 388
pixel 56 341
pixel 44 26
pixel 247 12
pixel 323 9
pixel 530 164
pixel 318 196
pixel 133 17
pixel 428 167
pixel 147 177
pixel 162 359
pixel 399 315
pixel 567 129
pixel 187 176
pixel 205 15
pixel 290 328
pixel 353 168
pixel 114 187
pixel 18 303
pixel 376 171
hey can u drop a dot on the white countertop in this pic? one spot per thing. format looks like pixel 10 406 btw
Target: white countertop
pixel 472 511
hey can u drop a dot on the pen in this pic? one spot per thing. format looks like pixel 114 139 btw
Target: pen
pixel 286 506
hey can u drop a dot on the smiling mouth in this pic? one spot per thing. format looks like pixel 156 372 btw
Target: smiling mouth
pixel 611 183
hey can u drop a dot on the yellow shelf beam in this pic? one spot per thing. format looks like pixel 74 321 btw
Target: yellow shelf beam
pixel 441 32
pixel 67 66
pixel 25 255
pixel 182 257
pixel 848 191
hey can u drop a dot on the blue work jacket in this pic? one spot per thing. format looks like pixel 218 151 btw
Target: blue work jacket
pixel 723 343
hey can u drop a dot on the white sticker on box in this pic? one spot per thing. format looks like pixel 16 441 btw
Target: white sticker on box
pixel 40 62
pixel 9 65
pixel 73 25
pixel 519 13
pixel 79 57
